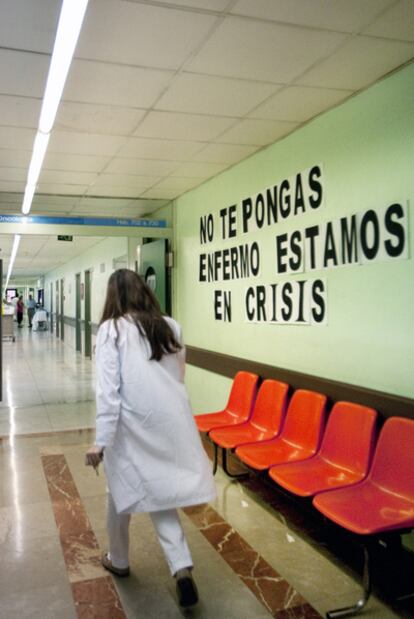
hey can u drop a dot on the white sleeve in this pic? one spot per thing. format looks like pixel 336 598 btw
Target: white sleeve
pixel 108 381
pixel 181 353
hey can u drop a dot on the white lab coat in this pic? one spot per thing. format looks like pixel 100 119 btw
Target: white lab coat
pixel 153 457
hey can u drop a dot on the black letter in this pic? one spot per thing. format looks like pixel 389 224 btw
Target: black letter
pixel 286 296
pixel 260 210
pixel 330 250
pixel 254 259
pixel 202 271
pixel 369 217
pixel 396 229
pixel 247 213
pixel 349 240
pixel 249 295
pixel 311 233
pixel 295 246
pixel 217 305
pixel 317 288
pixel 284 201
pixel 281 252
pixel 299 202
pixel 261 301
pixel 271 205
pixel 316 186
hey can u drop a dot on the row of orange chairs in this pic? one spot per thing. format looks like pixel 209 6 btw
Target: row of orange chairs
pixel 365 486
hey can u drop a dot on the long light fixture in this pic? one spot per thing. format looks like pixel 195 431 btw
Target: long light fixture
pixel 69 26
pixel 12 258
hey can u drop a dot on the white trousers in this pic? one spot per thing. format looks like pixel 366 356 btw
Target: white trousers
pixel 169 531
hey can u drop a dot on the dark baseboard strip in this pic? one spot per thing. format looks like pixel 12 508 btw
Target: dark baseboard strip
pixel 387 405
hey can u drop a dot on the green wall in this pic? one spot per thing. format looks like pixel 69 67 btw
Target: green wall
pixel 366 147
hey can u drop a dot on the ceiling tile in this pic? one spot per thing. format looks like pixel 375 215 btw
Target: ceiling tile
pixel 75 163
pixel 256 132
pixel 84 144
pixel 146 167
pixel 210 5
pixel 116 191
pixel 200 170
pixel 13 174
pixel 90 118
pixel 359 63
pixel 225 153
pixel 126 180
pixel 262 50
pixel 15 158
pixel 141 34
pixel 344 16
pixel 177 183
pixel 299 103
pixel 162 194
pixel 159 149
pixel 113 84
pixel 109 203
pixel 183 126
pixel 43 200
pixel 67 178
pixel 12 186
pixel 202 94
pixel 19 111
pixel 396 23
pixel 29 25
pixel 61 189
pixel 16 138
pixel 22 73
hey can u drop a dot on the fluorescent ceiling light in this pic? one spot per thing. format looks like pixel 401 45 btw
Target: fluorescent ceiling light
pixel 28 197
pixel 36 162
pixel 69 26
pixel 12 257
pixel 70 23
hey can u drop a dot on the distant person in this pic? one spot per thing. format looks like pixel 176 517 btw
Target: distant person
pixel 145 431
pixel 31 308
pixel 19 311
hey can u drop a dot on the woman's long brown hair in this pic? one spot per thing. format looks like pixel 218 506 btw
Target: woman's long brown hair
pixel 127 294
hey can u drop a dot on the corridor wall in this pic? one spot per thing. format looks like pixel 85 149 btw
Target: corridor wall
pixel 363 150
pixel 99 259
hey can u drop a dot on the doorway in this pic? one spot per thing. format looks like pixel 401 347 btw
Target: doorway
pixel 62 310
pixel 78 314
pixel 88 322
pixel 51 307
pixel 57 307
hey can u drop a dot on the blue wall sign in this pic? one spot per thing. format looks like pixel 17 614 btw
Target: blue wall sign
pixel 83 221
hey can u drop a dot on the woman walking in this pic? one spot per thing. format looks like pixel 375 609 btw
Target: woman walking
pixel 145 431
pixel 19 311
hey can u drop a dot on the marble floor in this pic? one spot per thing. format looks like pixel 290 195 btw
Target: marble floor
pixel 256 554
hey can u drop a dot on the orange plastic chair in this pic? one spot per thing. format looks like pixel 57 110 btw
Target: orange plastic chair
pixel 299 439
pixel 383 502
pixel 344 457
pixel 238 408
pixel 265 423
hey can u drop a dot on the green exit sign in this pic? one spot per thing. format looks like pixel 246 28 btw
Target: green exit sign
pixel 65 237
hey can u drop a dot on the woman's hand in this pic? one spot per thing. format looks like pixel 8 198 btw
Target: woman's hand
pixel 94 456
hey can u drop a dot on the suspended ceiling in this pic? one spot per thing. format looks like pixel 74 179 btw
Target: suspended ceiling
pixel 163 95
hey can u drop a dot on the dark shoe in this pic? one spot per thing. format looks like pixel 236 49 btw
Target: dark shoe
pixel 118 571
pixel 186 589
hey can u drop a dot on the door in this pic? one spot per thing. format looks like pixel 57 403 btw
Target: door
pixel 88 323
pixel 152 268
pixel 57 307
pixel 51 307
pixel 62 309
pixel 78 325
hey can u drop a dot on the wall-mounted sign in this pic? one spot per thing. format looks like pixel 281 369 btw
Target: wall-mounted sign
pixel 64 237
pixel 83 221
pixel 366 236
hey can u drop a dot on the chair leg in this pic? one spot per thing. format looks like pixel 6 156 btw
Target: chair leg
pixel 366 582
pixel 215 458
pixel 225 467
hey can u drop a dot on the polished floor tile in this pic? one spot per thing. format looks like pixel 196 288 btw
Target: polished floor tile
pixel 256 554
